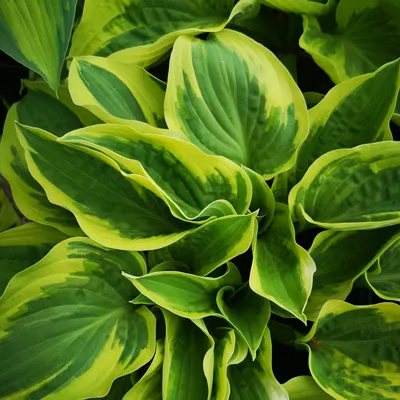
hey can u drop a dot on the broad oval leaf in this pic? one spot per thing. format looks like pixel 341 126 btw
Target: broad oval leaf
pixel 193 182
pixel 188 359
pixel 24 246
pixel 354 112
pixel 29 196
pixel 351 188
pixel 386 283
pixel 37 34
pixel 255 379
pixel 354 350
pixel 308 7
pixel 116 92
pixel 209 246
pixel 116 210
pixel 67 321
pixel 8 216
pixel 221 93
pixel 342 257
pixel 149 387
pixel 305 388
pixel 183 294
pixel 142 31
pixel 282 271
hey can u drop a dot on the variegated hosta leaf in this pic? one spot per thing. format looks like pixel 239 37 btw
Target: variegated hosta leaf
pixel 308 7
pixel 116 92
pixel 116 210
pixel 23 246
pixel 8 216
pixel 341 257
pixel 354 351
pixel 221 93
pixel 282 271
pixel 194 183
pixel 37 34
pixel 247 312
pixel 188 359
pixel 255 379
pixel 386 283
pixel 119 388
pixel 366 36
pixel 262 200
pixel 209 246
pixel 305 388
pixel 354 112
pixel 67 321
pixel 351 188
pixel 149 387
pixel 186 295
pixel 41 110
pixel 142 31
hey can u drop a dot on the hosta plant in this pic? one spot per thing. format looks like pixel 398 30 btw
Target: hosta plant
pixel 191 201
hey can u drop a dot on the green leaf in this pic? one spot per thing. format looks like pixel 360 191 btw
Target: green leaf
pixel 67 321
pixel 262 200
pixel 37 34
pixel 23 246
pixel 247 312
pixel 354 112
pixel 255 379
pixel 186 295
pixel 116 210
pixel 364 36
pixel 282 271
pixel 29 196
pixel 209 246
pixel 149 387
pixel 351 188
pixel 386 283
pixel 305 388
pixel 119 388
pixel 308 7
pixel 142 31
pixel 312 98
pixel 341 257
pixel 188 359
pixel 8 216
pixel 116 92
pixel 193 183
pixel 354 351
pixel 221 93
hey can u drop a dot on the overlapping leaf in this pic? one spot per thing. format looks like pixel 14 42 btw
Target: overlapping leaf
pixel 308 7
pixel 8 216
pixel 305 388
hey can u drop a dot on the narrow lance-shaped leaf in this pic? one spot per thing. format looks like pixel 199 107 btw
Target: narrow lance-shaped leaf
pixel 308 7
pixel 255 379
pixel 194 183
pixel 67 321
pixel 386 282
pixel 282 271
pixel 305 388
pixel 116 92
pixel 209 246
pixel 37 34
pixel 8 216
pixel 142 31
pixel 351 188
pixel 149 387
pixel 247 312
pixel 23 246
pixel 341 257
pixel 354 112
pixel 28 195
pixel 354 351
pixel 186 295
pixel 221 92
pixel 118 211
pixel 188 359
